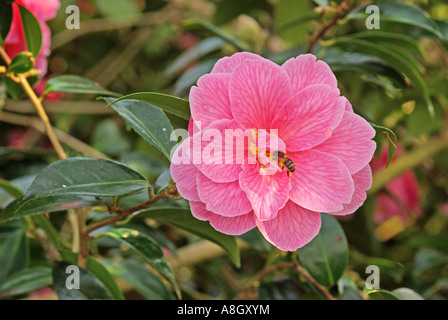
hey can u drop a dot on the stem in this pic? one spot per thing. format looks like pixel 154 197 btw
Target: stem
pixel 39 108
pixel 343 8
pixel 124 213
pixel 84 247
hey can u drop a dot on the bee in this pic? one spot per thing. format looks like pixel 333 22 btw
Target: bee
pixel 284 162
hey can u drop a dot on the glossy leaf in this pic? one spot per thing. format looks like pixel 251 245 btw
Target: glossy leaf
pixel 149 122
pixel 32 31
pixel 21 63
pixel 98 270
pixel 193 54
pixel 147 248
pixel 428 259
pixel 90 288
pixel 406 294
pixel 11 189
pixel 326 256
pixel 381 295
pixel 21 207
pixel 392 139
pixel 74 183
pixel 183 219
pixel 5 20
pixel 87 177
pixel 396 58
pixel 14 252
pixel 400 12
pixel 25 281
pixel 171 104
pixel 162 182
pixel 199 23
pixel 76 84
pixel 190 77
pixel 143 280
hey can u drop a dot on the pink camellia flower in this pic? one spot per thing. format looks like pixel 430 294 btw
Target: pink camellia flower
pixel 401 196
pixel 43 10
pixel 320 162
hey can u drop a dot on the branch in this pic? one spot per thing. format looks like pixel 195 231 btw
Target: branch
pixel 342 9
pixel 124 213
pixel 39 108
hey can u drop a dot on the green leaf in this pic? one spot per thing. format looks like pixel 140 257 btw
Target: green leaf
pixel 191 76
pixel 147 248
pixel 162 182
pixel 32 31
pixel 288 18
pixel 14 252
pixel 396 58
pixel 392 139
pixel 26 281
pixel 183 219
pixel 74 183
pixel 87 177
pixel 51 233
pixel 373 68
pixel 5 20
pixel 21 207
pixel 90 288
pixel 427 260
pixel 143 280
pixel 390 38
pixel 326 256
pixel 196 52
pixel 76 84
pixel 109 138
pixel 199 23
pixel 11 189
pixel 21 63
pixel 407 294
pixel 149 122
pixel 98 270
pixel 381 295
pixel 171 104
pixel 400 12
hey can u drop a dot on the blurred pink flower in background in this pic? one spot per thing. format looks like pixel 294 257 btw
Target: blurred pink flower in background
pixel 297 104
pixel 43 10
pixel 401 197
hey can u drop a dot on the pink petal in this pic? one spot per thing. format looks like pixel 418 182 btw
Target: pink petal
pixel 321 182
pixel 266 193
pixel 305 71
pixel 309 117
pixel 362 181
pixel 184 172
pixel 228 64
pixel 258 89
pixel 214 155
pixel 228 225
pixel 292 228
pixel 209 101
pixel 351 142
pixel 348 105
pixel 227 199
